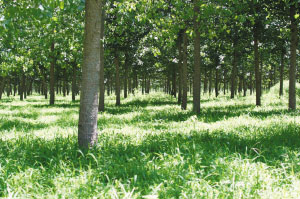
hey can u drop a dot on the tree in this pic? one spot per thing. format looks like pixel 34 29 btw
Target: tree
pixel 87 126
pixel 293 58
pixel 196 85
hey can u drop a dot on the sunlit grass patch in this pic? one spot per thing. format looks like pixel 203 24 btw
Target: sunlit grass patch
pixel 150 148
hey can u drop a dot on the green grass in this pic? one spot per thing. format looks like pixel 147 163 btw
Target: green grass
pixel 150 148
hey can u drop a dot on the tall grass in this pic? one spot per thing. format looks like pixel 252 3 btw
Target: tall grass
pixel 150 148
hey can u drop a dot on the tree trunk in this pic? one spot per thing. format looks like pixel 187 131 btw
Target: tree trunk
pixel 174 90
pixel 205 80
pixel 64 82
pixel 126 76
pixel 234 70
pixel 2 85
pixel 52 75
pixel 87 127
pixel 256 64
pixel 217 82
pixel 74 82
pixel 102 86
pixel 179 46
pixel 184 72
pixel 22 87
pixel 196 77
pixel 293 58
pixel 118 98
pixel 210 81
pixel 281 72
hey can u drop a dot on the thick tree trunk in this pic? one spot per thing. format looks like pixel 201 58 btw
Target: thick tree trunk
pixel 87 127
pixel 256 64
pixel 184 72
pixel 196 77
pixel 102 86
pixel 118 98
pixel 52 75
pixel 234 70
pixel 293 58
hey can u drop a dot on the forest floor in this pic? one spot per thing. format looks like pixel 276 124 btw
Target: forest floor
pixel 150 148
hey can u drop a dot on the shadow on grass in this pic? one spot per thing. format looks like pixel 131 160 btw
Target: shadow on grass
pixel 119 157
pixel 18 125
pixel 63 105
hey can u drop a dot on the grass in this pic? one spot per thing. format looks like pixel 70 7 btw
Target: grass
pixel 150 148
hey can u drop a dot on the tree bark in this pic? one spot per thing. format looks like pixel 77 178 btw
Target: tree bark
pixel 184 72
pixel 256 64
pixel 217 82
pixel 118 98
pixel 281 72
pixel 210 81
pixel 126 76
pixel 52 75
pixel 64 82
pixel 234 70
pixel 102 86
pixel 205 80
pixel 2 85
pixel 74 78
pixel 87 126
pixel 196 77
pixel 174 90
pixel 179 46
pixel 293 58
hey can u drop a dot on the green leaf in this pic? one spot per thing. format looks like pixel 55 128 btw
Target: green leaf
pixel 62 4
pixel 296 16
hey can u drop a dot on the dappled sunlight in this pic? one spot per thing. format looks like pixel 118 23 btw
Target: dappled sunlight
pixel 149 146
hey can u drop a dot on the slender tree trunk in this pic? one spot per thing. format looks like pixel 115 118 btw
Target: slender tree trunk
pixel 143 84
pixel 205 80
pixel 2 85
pixel 64 82
pixel 126 76
pixel 184 72
pixel 102 86
pixel 210 81
pixel 15 86
pixel 293 58
pixel 197 75
pixel 74 78
pixel 234 70
pixel 217 82
pixel 118 98
pixel 281 72
pixel 180 54
pixel 174 90
pixel 224 82
pixel 87 127
pixel 52 75
pixel 22 87
pixel 256 65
